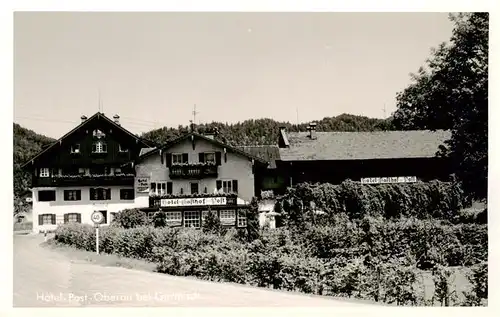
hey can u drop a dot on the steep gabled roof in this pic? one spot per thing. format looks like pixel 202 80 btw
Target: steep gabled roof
pixel 96 116
pixel 363 145
pixel 210 140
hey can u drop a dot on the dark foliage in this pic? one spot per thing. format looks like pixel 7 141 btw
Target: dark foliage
pixel 451 93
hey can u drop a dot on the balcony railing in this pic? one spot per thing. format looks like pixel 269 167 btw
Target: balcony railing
pixel 193 200
pixel 193 171
pixel 85 180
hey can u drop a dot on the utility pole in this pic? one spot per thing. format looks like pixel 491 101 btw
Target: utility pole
pixel 194 114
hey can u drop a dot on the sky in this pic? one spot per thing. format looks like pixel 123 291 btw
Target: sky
pixel 152 68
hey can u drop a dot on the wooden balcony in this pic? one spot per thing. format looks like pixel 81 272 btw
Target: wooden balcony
pixel 193 171
pixel 84 180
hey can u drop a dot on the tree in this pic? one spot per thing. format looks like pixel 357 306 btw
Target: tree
pixel 212 223
pixel 451 93
pixel 253 226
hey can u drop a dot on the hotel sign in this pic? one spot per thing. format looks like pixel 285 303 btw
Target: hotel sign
pixel 388 180
pixel 142 184
pixel 207 201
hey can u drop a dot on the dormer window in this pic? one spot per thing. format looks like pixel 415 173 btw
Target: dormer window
pixel 75 149
pixel 99 147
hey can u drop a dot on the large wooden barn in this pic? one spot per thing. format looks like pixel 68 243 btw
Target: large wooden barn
pixel 368 157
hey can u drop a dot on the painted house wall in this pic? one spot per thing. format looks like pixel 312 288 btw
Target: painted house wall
pixel 85 206
pixel 236 167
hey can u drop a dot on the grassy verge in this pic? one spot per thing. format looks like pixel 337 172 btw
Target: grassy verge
pixel 110 260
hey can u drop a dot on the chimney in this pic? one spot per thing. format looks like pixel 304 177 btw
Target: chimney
pixel 312 130
pixel 116 119
pixel 84 118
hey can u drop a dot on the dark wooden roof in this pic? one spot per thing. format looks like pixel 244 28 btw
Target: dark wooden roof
pixel 96 116
pixel 363 145
pixel 269 153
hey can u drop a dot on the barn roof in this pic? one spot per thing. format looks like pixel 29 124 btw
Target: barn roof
pixel 268 153
pixel 363 145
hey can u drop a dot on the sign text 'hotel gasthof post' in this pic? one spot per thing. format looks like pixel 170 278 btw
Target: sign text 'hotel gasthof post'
pixel 208 201
pixel 388 180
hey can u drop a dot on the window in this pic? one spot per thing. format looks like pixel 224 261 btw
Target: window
pixel 192 219
pixel 47 219
pixel 207 157
pixel 75 148
pixel 161 188
pixel 227 186
pixel 181 191
pixel 122 149
pixel 47 195
pixel 127 194
pixel 242 218
pixel 100 194
pixel 73 217
pixel 74 194
pixel 227 217
pixel 194 188
pixel 105 214
pixel 44 172
pixel 174 218
pixel 99 147
pixel 179 158
pixel 169 188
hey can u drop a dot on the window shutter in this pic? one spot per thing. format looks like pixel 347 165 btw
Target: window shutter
pixel 40 220
pixel 65 218
pixel 218 185
pixel 201 157
pixel 66 195
pixel 78 195
pixel 185 158
pixel 161 157
pixel 108 193
pixel 235 185
pixel 169 188
pixel 79 218
pixel 168 157
pixel 92 193
pixel 218 158
pixel 53 219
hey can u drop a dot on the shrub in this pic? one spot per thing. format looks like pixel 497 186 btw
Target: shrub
pixel 160 219
pixel 131 218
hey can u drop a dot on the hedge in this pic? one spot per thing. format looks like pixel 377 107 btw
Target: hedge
pixel 370 259
pixel 433 199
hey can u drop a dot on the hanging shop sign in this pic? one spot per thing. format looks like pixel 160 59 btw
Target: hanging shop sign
pixel 389 180
pixel 142 184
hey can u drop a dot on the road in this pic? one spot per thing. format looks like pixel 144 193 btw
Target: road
pixel 44 277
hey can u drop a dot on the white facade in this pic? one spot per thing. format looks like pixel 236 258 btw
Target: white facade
pixel 84 207
pixel 235 167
